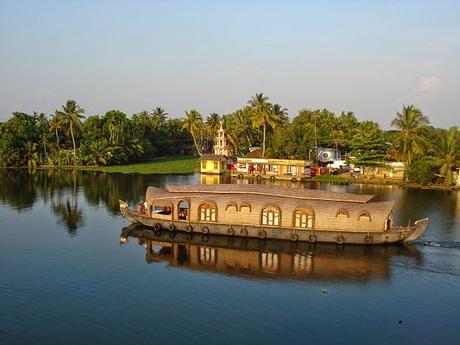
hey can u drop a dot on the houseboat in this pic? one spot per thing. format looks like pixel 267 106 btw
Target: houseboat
pixel 269 212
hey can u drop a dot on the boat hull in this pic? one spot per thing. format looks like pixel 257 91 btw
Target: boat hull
pixel 403 234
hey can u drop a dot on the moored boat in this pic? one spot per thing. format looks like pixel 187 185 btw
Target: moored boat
pixel 262 211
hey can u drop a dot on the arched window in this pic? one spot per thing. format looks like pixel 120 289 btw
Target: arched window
pixel 304 218
pixel 183 210
pixel 207 212
pixel 271 216
pixel 364 216
pixel 342 213
pixel 231 206
pixel 245 207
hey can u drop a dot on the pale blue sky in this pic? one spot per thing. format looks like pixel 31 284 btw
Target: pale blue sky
pixel 370 57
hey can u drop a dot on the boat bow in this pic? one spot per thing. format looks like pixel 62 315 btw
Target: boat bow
pixel 419 230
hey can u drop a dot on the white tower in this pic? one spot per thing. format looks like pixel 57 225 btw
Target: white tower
pixel 221 146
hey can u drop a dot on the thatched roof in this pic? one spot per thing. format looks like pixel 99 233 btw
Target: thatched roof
pixel 258 192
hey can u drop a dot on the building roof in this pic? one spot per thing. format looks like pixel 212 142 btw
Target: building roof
pixel 260 192
pixel 254 154
pixel 212 157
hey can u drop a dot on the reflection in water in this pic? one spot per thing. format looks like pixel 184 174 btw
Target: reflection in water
pixel 69 215
pixel 269 258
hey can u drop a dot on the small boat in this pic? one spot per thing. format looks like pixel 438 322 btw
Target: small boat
pixel 269 212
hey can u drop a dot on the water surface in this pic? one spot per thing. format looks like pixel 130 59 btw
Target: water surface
pixel 65 278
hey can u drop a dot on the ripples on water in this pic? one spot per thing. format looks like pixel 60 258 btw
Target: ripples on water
pixel 66 278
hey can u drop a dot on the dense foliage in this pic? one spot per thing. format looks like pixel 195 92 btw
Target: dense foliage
pixel 67 138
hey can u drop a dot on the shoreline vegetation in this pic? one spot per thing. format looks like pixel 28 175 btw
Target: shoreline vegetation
pixel 174 165
pixel 117 142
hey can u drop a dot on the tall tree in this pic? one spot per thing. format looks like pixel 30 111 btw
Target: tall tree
pixel 159 117
pixel 213 121
pixel 55 126
pixel 262 115
pixel 193 122
pixel 412 125
pixel 447 150
pixel 242 122
pixel 42 124
pixel 71 115
pixel 368 144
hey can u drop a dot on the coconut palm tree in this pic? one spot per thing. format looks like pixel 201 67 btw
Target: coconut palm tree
pixel 447 149
pixel 31 155
pixel 213 122
pixel 193 122
pixel 411 124
pixel 71 114
pixel 281 114
pixel 159 117
pixel 262 115
pixel 55 126
pixel 42 124
pixel 243 123
pixel 99 152
pixel 142 123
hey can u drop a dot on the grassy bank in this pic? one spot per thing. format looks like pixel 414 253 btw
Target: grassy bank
pixel 168 165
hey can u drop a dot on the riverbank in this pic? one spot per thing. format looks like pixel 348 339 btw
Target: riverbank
pixel 345 179
pixel 161 166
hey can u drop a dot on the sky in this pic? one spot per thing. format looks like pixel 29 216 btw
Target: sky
pixel 369 57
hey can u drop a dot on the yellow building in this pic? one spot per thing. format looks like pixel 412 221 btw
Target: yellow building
pixel 213 164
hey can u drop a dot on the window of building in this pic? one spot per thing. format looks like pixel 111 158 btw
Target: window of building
pixel 203 165
pixel 231 206
pixel 342 213
pixel 160 209
pixel 207 212
pixel 304 218
pixel 364 216
pixel 271 216
pixel 245 207
pixel 216 165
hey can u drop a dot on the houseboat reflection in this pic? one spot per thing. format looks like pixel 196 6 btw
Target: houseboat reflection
pixel 269 259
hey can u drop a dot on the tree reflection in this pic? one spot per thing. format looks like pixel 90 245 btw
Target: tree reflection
pixel 69 215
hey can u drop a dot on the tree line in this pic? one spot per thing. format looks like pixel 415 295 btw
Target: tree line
pixel 68 138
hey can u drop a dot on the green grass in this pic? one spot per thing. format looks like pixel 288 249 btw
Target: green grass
pixel 168 165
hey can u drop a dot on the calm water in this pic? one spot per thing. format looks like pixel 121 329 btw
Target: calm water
pixel 66 279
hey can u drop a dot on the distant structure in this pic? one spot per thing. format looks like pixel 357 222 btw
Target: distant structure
pixel 216 163
pixel 221 144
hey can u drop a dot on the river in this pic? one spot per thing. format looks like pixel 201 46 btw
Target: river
pixel 66 277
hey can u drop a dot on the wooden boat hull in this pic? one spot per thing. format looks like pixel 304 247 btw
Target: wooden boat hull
pixel 394 235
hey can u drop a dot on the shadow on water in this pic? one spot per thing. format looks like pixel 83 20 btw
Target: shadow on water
pixel 269 259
